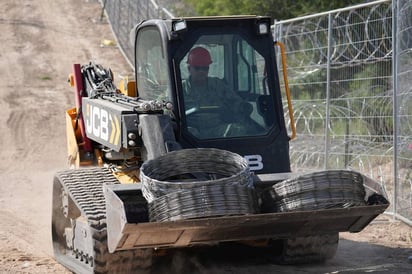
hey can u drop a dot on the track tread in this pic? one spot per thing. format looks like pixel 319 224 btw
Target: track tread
pixel 85 187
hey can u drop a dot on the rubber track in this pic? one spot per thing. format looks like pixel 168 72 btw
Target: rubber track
pixel 85 187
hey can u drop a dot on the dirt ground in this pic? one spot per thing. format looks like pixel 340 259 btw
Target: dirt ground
pixel 40 40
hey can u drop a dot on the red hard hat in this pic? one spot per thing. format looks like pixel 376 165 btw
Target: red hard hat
pixel 199 57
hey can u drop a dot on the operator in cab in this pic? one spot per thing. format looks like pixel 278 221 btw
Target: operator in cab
pixel 212 109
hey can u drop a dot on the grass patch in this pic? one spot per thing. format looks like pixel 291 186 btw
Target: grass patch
pixel 46 78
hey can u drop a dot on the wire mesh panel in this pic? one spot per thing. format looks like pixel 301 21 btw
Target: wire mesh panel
pixel 341 81
pixel 123 15
pixel 404 109
pixel 337 86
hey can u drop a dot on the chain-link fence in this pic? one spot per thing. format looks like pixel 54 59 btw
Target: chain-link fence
pixel 123 15
pixel 403 109
pixel 351 111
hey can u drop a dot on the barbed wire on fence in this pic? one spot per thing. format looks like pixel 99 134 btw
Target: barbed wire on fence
pixel 341 79
pixel 358 36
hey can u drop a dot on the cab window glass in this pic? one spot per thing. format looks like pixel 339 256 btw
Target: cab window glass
pixel 151 65
pixel 250 70
pixel 224 89
pixel 216 68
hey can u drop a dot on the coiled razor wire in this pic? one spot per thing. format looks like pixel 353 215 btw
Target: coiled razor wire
pixel 205 201
pixel 319 190
pixel 360 34
pixel 192 183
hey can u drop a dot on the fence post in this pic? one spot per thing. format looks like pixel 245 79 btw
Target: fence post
pixel 326 164
pixel 395 115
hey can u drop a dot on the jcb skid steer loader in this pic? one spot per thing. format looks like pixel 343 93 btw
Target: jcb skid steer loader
pixel 161 162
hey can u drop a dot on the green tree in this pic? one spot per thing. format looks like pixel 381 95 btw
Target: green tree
pixel 277 9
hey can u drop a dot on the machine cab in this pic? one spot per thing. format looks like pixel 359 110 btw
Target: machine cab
pixel 220 74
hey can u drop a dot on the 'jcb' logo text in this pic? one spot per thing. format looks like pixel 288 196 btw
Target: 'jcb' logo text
pixel 102 124
pixel 254 162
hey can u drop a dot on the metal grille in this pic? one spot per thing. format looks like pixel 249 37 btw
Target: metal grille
pixel 349 111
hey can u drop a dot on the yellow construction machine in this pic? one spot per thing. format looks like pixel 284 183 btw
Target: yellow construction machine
pixel 162 163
